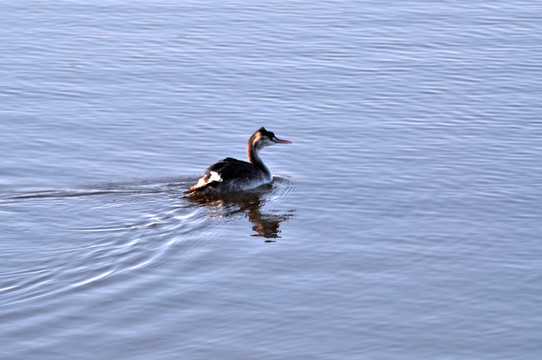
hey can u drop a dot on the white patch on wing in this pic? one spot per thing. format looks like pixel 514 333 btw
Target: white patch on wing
pixel 215 177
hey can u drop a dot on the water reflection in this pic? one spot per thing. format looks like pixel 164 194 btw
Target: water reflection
pixel 265 223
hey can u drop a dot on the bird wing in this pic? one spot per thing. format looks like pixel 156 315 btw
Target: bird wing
pixel 225 170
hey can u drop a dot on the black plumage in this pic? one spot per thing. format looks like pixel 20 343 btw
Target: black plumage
pixel 230 175
pixel 229 169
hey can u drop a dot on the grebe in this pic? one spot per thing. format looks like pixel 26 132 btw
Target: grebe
pixel 230 175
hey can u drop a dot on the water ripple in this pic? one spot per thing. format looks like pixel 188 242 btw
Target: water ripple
pixel 101 255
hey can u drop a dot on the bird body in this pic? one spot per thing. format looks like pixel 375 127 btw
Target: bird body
pixel 231 175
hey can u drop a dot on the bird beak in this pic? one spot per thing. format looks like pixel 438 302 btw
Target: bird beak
pixel 279 141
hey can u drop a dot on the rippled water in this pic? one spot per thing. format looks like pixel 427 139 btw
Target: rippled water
pixel 404 221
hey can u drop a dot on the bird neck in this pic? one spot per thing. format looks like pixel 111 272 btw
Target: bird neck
pixel 254 158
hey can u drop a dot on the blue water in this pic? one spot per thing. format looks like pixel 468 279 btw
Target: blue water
pixel 404 221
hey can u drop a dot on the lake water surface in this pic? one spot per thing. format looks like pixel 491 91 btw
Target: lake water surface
pixel 404 221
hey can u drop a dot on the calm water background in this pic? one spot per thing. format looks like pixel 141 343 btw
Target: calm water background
pixel 404 221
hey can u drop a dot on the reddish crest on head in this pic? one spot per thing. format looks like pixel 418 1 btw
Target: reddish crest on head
pixel 272 137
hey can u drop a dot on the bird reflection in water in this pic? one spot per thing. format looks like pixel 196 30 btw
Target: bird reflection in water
pixel 265 224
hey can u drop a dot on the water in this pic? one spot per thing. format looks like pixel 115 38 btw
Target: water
pixel 403 223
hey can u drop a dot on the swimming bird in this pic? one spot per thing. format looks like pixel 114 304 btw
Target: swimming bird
pixel 230 175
